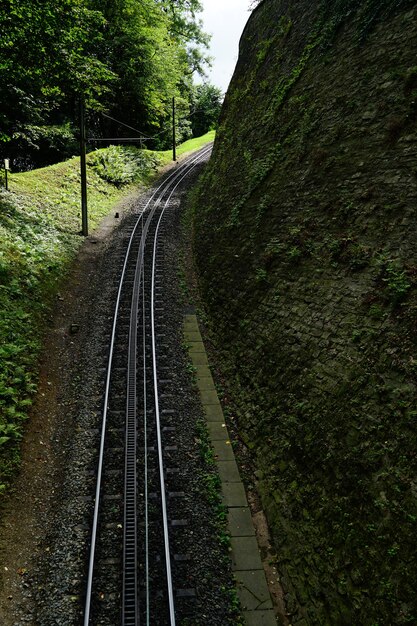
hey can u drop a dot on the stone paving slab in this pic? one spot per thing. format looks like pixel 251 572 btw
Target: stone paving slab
pixel 251 583
pixel 190 318
pixel 214 413
pixel 196 347
pixel 191 335
pixel 229 472
pixel 209 397
pixel 190 327
pixel 245 553
pixel 253 590
pixel 259 618
pixel 217 431
pixel 240 522
pixel 199 358
pixel 233 494
pixel 205 383
pixel 223 450
pixel 203 371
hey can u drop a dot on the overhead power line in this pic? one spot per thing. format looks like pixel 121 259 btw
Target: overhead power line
pixel 140 139
pixel 127 126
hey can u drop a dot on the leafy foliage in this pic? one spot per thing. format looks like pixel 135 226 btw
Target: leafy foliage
pixel 120 166
pixel 207 102
pixel 123 56
pixel 47 56
pixel 38 227
pixel 368 12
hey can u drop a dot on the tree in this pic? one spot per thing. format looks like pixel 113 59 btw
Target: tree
pixel 207 102
pixel 126 57
pixel 150 46
pixel 47 58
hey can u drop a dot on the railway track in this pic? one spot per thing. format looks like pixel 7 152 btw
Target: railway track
pixel 130 577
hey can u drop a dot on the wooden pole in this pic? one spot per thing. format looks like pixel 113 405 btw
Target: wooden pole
pixel 83 165
pixel 174 141
pixel 6 171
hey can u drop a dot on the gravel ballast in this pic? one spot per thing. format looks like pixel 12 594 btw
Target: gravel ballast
pixel 45 523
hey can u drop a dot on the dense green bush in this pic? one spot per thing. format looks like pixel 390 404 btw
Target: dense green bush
pixel 120 165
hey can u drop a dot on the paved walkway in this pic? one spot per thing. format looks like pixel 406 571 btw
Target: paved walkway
pixel 246 562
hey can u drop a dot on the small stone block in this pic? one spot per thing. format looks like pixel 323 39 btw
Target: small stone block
pixel 259 618
pixel 190 319
pixel 191 336
pixel 253 590
pixel 240 522
pixel 203 371
pixel 205 383
pixel 196 347
pixel 191 328
pixel 223 450
pixel 214 413
pixel 233 494
pixel 199 358
pixel 217 431
pixel 209 397
pixel 228 471
pixel 245 553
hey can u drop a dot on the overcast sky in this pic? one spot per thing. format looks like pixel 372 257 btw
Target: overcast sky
pixel 224 20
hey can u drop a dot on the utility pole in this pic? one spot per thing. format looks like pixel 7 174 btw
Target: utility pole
pixel 83 164
pixel 174 141
pixel 6 170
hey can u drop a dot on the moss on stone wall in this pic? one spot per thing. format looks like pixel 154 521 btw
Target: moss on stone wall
pixel 305 231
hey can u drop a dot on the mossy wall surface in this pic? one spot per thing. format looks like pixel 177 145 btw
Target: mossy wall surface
pixel 306 244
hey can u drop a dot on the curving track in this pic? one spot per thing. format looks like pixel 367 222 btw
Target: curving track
pixel 129 578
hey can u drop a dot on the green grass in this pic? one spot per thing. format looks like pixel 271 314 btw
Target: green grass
pixel 40 226
pixel 189 146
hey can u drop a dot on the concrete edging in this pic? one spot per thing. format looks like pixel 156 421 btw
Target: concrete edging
pixel 247 566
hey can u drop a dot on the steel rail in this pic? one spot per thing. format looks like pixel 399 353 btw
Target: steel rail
pixel 129 587
pixel 163 186
pixel 129 591
pixel 145 456
pixel 157 413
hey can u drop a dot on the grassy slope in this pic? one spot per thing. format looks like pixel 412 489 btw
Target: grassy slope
pixel 39 236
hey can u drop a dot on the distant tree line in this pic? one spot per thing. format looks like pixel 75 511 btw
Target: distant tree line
pixel 125 58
